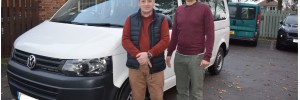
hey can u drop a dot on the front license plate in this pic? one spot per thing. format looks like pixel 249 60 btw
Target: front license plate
pixel 231 32
pixel 22 96
pixel 295 40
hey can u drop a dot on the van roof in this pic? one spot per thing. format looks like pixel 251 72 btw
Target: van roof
pixel 244 3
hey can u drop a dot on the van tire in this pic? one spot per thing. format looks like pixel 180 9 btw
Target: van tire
pixel 216 68
pixel 278 44
pixel 254 43
pixel 125 93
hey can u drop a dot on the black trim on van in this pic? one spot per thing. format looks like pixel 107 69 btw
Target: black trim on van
pixel 49 86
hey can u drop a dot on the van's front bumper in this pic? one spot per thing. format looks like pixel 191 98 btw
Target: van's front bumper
pixel 49 86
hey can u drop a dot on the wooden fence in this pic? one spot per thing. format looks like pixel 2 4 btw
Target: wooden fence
pixel 17 16
pixel 270 23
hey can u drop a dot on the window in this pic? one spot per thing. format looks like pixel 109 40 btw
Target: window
pixel 232 11
pixel 166 7
pixel 217 8
pixel 212 5
pixel 247 13
pixel 220 11
pixel 271 8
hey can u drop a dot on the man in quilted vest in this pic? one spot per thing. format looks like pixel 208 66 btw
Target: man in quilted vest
pixel 145 37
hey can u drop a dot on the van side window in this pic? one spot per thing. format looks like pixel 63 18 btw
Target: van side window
pixel 217 8
pixel 232 11
pixel 166 7
pixel 220 11
pixel 248 13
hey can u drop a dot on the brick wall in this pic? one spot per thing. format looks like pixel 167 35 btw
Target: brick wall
pixel 48 7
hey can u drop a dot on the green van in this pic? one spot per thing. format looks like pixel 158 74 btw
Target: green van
pixel 244 21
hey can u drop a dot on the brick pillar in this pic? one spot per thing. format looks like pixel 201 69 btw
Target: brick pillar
pixel 48 7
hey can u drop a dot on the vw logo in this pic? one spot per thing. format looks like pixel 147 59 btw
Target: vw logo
pixel 31 60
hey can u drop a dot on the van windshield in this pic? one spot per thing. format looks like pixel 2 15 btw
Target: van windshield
pixel 107 12
pixel 96 12
pixel 292 20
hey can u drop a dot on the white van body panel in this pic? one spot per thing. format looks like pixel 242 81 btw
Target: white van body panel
pixel 222 29
pixel 68 41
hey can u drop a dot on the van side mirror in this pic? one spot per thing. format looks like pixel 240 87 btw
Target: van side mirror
pixel 169 21
pixel 281 22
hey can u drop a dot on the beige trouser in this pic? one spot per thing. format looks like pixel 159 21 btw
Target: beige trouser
pixel 140 78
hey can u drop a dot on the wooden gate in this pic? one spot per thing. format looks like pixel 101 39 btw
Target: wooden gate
pixel 17 17
pixel 270 23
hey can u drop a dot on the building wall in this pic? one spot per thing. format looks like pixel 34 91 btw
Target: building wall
pixel 48 7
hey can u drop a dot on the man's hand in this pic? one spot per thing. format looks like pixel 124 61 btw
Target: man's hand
pixel 142 58
pixel 204 63
pixel 168 60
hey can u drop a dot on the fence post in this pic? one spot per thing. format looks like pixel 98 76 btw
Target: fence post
pixel 4 29
pixel 28 14
pixel 35 7
pixel 11 24
pixel 260 26
pixel 23 17
pixel 273 24
pixel 17 19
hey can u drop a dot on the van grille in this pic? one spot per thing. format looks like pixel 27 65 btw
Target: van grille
pixel 43 63
pixel 36 88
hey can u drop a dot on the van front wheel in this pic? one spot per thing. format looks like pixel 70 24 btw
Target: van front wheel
pixel 216 68
pixel 125 93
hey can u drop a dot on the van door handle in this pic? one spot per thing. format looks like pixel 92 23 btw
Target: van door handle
pixel 234 22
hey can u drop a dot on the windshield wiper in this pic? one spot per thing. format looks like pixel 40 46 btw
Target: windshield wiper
pixel 91 24
pixel 69 22
pixel 104 24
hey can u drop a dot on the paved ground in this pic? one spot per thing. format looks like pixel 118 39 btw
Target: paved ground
pixel 249 73
pixel 253 73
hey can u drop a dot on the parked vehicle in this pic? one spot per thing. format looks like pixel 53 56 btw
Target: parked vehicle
pixel 288 32
pixel 244 21
pixel 77 54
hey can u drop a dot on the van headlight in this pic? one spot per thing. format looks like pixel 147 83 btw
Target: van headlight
pixel 87 67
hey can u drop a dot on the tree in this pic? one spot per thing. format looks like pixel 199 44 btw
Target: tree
pixel 279 6
pixel 294 5
pixel 290 5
